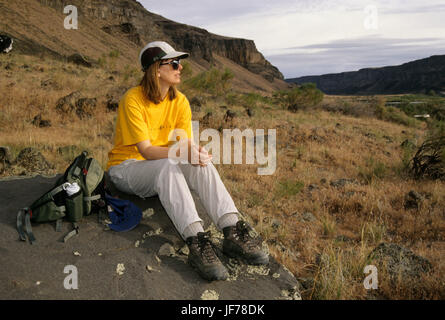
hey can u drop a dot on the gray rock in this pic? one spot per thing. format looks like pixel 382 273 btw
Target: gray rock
pixel 112 105
pixel 308 216
pixel 5 154
pixel 5 43
pixel 399 262
pixel 67 104
pixel 196 103
pixel 74 102
pixel 5 158
pixel 78 59
pixel 167 250
pixel 32 161
pixel 342 182
pixel 306 283
pixel 413 200
pixel 41 123
pixel 229 115
pixel 113 97
pixel 85 107
pixel 312 187
pixel 206 119
pixel 171 278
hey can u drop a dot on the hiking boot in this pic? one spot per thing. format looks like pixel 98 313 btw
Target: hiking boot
pixel 239 242
pixel 204 259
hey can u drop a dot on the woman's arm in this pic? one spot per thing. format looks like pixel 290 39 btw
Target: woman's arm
pixel 150 152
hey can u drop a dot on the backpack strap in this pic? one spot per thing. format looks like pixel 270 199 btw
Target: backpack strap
pixel 72 233
pixel 25 214
pixel 58 189
pixel 28 228
pixel 20 216
pixel 49 196
pixel 59 225
pixel 95 197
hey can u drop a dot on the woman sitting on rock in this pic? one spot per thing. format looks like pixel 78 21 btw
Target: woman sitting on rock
pixel 148 116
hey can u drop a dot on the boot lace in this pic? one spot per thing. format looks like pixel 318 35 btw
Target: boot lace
pixel 243 233
pixel 206 248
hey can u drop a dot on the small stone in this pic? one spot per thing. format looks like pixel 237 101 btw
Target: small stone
pixel 76 253
pixel 313 187
pixel 38 283
pixel 342 182
pixel 260 270
pixel 184 250
pixel 413 200
pixel 152 233
pixel 167 250
pixel 136 244
pixel 210 295
pixel 149 268
pixel 276 275
pixel 276 224
pixel 120 268
pixel 308 216
pixel 292 294
pixel 148 213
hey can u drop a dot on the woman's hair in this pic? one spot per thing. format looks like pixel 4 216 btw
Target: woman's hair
pixel 150 84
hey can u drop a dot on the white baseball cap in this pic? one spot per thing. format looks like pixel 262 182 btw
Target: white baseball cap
pixel 158 50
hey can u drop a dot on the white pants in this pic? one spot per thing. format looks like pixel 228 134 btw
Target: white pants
pixel 171 182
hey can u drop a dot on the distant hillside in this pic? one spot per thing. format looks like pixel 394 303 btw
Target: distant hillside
pixel 125 26
pixel 412 77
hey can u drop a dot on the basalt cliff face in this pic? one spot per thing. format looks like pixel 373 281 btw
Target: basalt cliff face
pixel 413 77
pixel 125 25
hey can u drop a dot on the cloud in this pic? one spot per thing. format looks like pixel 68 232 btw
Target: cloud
pixel 354 54
pixel 307 37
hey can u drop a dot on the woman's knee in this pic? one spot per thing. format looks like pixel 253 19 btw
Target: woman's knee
pixel 167 166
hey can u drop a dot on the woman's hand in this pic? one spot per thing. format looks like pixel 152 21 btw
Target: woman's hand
pixel 198 155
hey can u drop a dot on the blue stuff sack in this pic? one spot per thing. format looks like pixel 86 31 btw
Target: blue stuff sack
pixel 124 214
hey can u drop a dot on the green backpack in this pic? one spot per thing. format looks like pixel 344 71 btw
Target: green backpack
pixel 79 192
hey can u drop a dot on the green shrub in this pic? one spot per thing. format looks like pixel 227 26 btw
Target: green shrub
pixel 429 160
pixel 232 98
pixel 186 71
pixel 102 61
pixel 373 169
pixel 413 104
pixel 213 81
pixel 302 97
pixel 398 116
pixel 289 187
pixel 130 72
pixel 114 54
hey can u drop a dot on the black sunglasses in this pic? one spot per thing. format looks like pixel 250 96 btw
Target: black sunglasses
pixel 174 63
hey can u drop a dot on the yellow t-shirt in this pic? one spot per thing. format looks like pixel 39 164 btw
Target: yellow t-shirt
pixel 140 119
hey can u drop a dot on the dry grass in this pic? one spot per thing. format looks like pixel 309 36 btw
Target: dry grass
pixel 314 148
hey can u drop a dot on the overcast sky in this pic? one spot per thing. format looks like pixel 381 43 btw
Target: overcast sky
pixel 311 37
